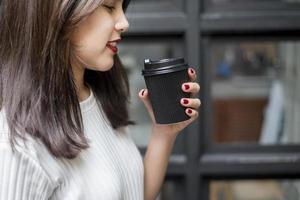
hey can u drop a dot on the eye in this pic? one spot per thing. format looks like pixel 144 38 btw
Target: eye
pixel 110 8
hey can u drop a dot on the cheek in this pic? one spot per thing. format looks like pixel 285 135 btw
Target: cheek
pixel 94 37
pixel 91 39
pixel 94 33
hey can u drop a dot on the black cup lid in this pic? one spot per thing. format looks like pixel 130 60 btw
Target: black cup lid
pixel 150 64
pixel 163 66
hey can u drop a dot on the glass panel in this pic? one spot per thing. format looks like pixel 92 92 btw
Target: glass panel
pixel 146 6
pixel 252 1
pixel 173 189
pixel 255 94
pixel 157 1
pixel 255 190
pixel 259 5
pixel 144 1
pixel 132 54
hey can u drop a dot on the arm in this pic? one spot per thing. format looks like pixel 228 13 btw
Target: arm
pixel 156 163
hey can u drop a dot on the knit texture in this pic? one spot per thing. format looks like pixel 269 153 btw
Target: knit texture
pixel 111 169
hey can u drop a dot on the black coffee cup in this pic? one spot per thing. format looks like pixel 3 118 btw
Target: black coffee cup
pixel 164 79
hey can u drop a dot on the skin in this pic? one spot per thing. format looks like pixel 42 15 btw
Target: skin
pixel 91 36
pixel 105 24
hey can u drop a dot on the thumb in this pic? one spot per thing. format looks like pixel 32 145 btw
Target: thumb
pixel 144 96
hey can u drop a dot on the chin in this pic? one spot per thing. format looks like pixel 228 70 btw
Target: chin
pixel 106 68
pixel 103 66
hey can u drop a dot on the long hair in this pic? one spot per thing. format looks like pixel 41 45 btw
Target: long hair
pixel 37 89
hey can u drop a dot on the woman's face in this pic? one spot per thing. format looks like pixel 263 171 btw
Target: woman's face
pixel 95 38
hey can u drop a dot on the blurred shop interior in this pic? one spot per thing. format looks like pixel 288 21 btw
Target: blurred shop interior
pixel 246 143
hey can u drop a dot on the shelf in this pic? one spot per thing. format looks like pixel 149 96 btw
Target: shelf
pixel 251 87
pixel 256 21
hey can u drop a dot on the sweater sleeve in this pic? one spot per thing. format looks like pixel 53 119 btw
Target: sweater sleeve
pixel 21 177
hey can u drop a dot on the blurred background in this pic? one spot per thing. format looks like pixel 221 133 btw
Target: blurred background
pixel 246 143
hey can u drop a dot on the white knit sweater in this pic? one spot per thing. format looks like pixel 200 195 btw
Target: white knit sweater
pixel 111 169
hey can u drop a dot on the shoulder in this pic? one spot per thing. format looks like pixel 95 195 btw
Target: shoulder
pixel 29 153
pixel 26 176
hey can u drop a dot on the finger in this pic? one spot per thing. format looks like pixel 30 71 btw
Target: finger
pixel 192 74
pixel 144 96
pixel 192 103
pixel 192 87
pixel 192 113
pixel 193 116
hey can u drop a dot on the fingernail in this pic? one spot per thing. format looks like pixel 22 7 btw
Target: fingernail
pixel 192 71
pixel 185 101
pixel 143 92
pixel 190 111
pixel 186 87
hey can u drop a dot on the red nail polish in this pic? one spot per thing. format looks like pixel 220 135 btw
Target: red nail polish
pixel 190 111
pixel 143 92
pixel 192 71
pixel 186 87
pixel 185 101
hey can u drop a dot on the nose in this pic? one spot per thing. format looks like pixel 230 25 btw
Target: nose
pixel 122 24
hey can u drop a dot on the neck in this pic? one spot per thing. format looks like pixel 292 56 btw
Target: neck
pixel 83 92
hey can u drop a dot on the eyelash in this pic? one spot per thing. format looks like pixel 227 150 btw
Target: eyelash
pixel 111 8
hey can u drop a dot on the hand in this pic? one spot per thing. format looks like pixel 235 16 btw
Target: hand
pixel 191 104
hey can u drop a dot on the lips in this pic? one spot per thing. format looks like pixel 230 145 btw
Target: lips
pixel 112 45
pixel 113 48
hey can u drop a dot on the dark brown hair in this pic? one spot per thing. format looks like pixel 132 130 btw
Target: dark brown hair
pixel 37 86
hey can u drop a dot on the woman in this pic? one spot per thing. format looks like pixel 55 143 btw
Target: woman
pixel 64 95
